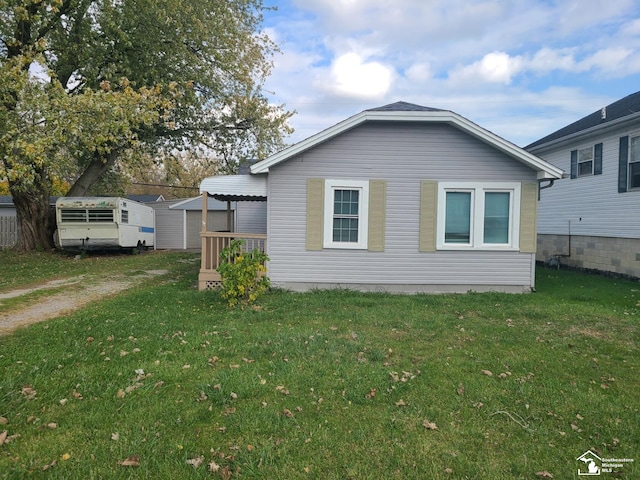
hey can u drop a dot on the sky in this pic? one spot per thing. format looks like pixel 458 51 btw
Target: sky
pixel 519 68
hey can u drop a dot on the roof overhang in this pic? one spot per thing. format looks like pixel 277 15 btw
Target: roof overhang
pixel 236 188
pixel 544 170
pixel 619 123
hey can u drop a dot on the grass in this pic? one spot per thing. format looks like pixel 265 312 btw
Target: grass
pixel 330 385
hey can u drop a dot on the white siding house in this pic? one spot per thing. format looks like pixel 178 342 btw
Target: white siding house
pixel 401 198
pixel 591 219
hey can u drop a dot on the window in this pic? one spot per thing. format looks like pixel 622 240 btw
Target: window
pixel 585 161
pixel 85 215
pixel 124 216
pixel 458 217
pixel 478 216
pixel 346 214
pixel 634 162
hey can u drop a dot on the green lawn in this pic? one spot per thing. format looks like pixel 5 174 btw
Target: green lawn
pixel 326 385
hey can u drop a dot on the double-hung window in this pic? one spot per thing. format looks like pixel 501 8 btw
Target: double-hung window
pixel 634 162
pixel 585 161
pixel 346 214
pixel 478 216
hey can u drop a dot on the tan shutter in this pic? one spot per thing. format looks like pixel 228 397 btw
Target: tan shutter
pixel 428 215
pixel 377 211
pixel 528 218
pixel 315 213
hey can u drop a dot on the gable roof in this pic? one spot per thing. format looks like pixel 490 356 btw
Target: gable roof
pixel 623 110
pixel 408 112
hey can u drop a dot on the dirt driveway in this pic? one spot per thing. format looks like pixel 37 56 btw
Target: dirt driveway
pixel 78 291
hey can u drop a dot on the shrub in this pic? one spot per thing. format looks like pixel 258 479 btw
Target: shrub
pixel 243 273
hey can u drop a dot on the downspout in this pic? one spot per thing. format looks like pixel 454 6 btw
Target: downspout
pixel 554 260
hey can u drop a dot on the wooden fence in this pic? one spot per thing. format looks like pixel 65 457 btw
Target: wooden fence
pixel 8 231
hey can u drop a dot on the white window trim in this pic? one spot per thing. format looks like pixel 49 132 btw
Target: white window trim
pixel 363 213
pixel 477 212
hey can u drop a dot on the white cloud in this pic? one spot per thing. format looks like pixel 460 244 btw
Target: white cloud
pixel 495 67
pixel 607 60
pixel 351 75
pixel 494 61
pixel 419 72
pixel 547 60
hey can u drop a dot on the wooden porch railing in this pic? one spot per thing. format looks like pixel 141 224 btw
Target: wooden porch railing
pixel 213 243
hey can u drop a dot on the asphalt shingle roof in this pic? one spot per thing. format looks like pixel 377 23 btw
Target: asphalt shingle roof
pixel 403 107
pixel 619 109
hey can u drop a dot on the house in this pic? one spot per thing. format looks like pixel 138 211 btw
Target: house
pixel 591 220
pixel 400 198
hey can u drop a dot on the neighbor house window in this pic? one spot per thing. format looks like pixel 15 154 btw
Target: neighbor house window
pixel 634 162
pixel 478 216
pixel 346 214
pixel 585 161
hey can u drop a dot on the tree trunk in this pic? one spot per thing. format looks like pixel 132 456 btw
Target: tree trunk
pixel 98 167
pixel 36 221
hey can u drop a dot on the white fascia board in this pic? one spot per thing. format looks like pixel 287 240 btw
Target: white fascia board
pixel 545 170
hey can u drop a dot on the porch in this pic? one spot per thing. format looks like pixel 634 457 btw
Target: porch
pixel 213 243
pixel 231 188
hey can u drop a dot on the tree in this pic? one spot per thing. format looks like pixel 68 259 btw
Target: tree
pixel 125 77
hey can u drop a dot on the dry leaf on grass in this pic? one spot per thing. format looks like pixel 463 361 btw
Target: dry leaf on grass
pixel 51 465
pixel 115 436
pixel 29 392
pixel 3 421
pixel 488 373
pixel 287 413
pixel 3 437
pixel 429 425
pixel 132 461
pixel 196 462
pixel 213 466
pixel 52 425
pixel 544 474
pixel 401 403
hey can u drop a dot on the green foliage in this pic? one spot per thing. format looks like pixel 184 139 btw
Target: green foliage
pixel 243 274
pixel 88 87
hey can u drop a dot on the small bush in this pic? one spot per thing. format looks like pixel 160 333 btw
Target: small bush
pixel 243 274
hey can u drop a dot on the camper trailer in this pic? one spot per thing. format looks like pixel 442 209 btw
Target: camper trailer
pixel 103 223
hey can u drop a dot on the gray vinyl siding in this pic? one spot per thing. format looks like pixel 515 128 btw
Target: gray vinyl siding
pixel 403 155
pixel 169 228
pixel 251 217
pixel 590 205
pixel 179 228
